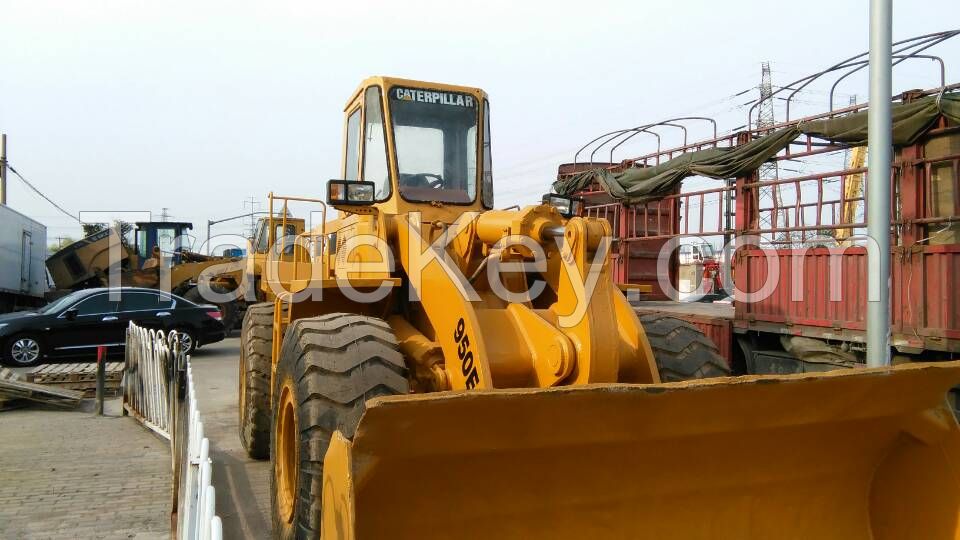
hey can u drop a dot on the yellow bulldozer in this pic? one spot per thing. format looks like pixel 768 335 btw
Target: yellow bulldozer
pixel 434 368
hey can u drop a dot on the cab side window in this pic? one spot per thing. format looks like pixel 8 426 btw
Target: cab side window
pixel 375 145
pixel 352 158
pixel 486 187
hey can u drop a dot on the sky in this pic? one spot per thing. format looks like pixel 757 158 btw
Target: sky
pixel 197 107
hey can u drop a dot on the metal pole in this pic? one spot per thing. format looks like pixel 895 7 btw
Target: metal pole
pixel 211 222
pixel 879 155
pixel 3 168
pixel 727 266
pixel 101 376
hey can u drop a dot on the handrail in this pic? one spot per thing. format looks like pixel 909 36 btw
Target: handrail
pixel 323 226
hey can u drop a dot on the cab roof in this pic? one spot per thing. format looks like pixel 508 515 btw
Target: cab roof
pixel 388 82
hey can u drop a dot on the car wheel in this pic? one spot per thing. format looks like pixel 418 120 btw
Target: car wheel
pixel 187 341
pixel 24 351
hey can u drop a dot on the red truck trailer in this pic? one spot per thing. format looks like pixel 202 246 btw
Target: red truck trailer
pixel 798 264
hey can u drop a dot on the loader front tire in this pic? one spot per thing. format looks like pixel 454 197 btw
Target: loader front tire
pixel 329 367
pixel 681 350
pixel 256 350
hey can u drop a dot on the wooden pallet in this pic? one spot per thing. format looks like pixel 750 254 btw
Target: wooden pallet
pixel 12 388
pixel 81 372
pixel 9 402
pixel 81 376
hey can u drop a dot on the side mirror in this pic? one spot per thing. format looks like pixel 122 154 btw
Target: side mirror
pixel 351 192
pixel 71 314
pixel 566 206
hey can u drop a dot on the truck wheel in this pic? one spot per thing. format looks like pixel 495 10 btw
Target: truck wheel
pixel 329 366
pixel 681 350
pixel 228 310
pixel 256 351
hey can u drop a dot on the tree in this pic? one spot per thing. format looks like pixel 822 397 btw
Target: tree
pixel 61 242
pixel 125 228
pixel 92 228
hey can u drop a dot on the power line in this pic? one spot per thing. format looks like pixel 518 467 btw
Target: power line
pixel 38 192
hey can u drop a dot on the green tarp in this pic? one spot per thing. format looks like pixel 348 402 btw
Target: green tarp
pixel 910 120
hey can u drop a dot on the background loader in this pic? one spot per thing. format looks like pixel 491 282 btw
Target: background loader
pixel 425 373
pixel 159 258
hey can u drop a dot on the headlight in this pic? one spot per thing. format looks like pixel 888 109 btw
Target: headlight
pixel 566 206
pixel 354 192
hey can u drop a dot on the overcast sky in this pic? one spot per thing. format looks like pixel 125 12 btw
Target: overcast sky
pixel 197 106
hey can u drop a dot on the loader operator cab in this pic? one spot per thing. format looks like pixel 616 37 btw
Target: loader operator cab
pixel 168 238
pixel 428 143
pixel 262 238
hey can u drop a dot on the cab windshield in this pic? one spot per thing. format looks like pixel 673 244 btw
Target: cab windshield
pixel 436 143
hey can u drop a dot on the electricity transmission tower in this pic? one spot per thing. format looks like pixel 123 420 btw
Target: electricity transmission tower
pixel 254 205
pixel 769 170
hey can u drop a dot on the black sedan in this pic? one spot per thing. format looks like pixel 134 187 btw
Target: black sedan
pixel 78 323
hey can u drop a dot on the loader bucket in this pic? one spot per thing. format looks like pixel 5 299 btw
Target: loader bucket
pixel 851 454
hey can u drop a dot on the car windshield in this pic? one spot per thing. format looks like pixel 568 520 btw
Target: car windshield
pixel 436 144
pixel 67 300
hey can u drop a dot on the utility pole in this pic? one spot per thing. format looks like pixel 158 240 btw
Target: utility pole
pixel 879 162
pixel 164 214
pixel 3 168
pixel 212 222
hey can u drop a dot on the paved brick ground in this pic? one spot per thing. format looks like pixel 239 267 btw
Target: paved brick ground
pixel 71 474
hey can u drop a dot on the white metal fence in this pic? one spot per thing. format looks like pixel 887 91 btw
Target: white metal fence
pixel 158 391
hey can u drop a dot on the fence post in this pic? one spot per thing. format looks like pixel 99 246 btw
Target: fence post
pixel 101 374
pixel 124 380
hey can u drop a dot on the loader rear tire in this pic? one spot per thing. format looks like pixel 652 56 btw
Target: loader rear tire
pixel 681 350
pixel 256 350
pixel 229 311
pixel 329 367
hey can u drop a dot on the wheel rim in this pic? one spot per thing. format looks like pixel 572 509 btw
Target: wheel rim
pixel 25 351
pixel 186 342
pixel 286 455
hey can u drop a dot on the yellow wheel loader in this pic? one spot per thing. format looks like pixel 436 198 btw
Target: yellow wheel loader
pixel 434 368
